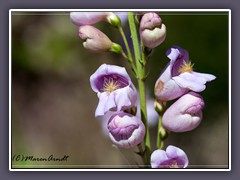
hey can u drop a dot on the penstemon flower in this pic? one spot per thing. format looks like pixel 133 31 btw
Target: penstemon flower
pixel 152 31
pixel 185 114
pixel 114 88
pixel 173 157
pixel 178 76
pixel 126 130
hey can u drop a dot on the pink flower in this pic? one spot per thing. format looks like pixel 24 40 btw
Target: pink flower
pixel 173 157
pixel 126 130
pixel 114 88
pixel 185 114
pixel 178 77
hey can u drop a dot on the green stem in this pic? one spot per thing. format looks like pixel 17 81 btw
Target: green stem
pixel 159 140
pixel 141 85
pixel 129 58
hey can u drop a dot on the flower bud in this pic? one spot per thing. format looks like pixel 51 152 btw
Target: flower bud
pixel 185 114
pixel 88 18
pixel 126 130
pixel 152 31
pixel 114 20
pixel 116 48
pixel 159 106
pixel 94 39
pixel 123 16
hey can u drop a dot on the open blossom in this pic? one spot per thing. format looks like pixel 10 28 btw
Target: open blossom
pixel 152 31
pixel 185 114
pixel 94 39
pixel 88 18
pixel 173 157
pixel 178 76
pixel 126 130
pixel 114 88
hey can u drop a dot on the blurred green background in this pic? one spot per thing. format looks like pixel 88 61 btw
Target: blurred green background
pixel 53 105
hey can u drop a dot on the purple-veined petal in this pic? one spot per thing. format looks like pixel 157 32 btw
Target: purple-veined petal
pixel 178 155
pixel 173 157
pixel 114 88
pixel 126 130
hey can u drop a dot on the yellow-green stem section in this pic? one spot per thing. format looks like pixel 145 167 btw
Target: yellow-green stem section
pixel 130 59
pixel 159 140
pixel 141 85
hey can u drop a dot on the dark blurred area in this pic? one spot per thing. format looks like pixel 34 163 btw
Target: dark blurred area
pixel 53 104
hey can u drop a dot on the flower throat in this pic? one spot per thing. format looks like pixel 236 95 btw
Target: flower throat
pixel 110 85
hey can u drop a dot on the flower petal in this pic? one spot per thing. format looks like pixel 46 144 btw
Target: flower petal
pixel 169 90
pixel 207 77
pixel 158 158
pixel 100 110
pixel 190 81
pixel 87 18
pixel 185 114
pixel 126 130
pixel 178 155
pixel 122 98
pixel 106 69
pixel 177 56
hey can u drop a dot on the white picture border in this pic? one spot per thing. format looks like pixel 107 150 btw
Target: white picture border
pixel 117 10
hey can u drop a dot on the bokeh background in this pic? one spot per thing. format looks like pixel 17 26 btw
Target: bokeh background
pixel 53 105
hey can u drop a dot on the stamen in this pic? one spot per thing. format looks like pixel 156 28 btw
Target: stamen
pixel 110 85
pixel 186 67
pixel 174 164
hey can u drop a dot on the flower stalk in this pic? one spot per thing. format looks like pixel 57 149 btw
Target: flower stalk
pixel 129 58
pixel 141 73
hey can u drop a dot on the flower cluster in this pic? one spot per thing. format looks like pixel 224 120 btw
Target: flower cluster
pixel 119 98
pixel 178 80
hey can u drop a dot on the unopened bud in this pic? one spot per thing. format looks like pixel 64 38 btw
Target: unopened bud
pixel 94 39
pixel 163 133
pixel 159 106
pixel 152 31
pixel 114 20
pixel 116 48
